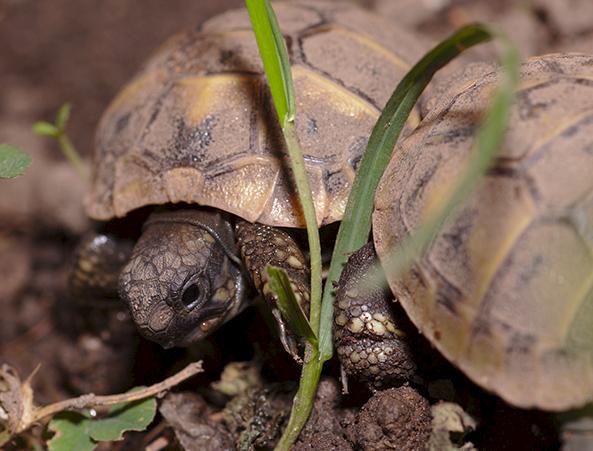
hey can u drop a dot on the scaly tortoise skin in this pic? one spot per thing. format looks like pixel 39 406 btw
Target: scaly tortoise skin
pixel 197 127
pixel 505 290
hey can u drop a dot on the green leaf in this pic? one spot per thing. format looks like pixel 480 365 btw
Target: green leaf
pixel 274 56
pixel 72 432
pixel 288 304
pixel 43 128
pixel 75 431
pixel 62 116
pixel 13 161
pixel 355 227
pixel 135 416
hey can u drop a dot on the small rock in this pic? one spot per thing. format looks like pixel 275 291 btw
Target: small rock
pixel 237 377
pixel 450 420
pixel 576 428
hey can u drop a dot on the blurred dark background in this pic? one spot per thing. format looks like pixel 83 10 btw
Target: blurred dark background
pixel 80 51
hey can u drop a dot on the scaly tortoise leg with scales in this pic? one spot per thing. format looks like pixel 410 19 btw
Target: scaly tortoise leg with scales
pixel 368 343
pixel 260 246
pixel 98 356
pixel 98 262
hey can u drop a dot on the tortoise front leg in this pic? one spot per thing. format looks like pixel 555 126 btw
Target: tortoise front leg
pixel 99 355
pixel 98 263
pixel 368 343
pixel 261 246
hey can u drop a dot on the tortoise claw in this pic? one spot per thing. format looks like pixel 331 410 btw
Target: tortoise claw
pixel 287 338
pixel 260 246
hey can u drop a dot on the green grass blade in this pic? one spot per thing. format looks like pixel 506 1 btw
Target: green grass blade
pixel 277 67
pixel 487 142
pixel 306 200
pixel 274 56
pixel 355 227
pixel 288 304
pixel 276 64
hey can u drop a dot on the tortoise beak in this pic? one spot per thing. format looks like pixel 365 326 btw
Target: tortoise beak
pixel 163 325
pixel 156 324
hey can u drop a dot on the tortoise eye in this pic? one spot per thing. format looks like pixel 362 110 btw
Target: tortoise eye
pixel 194 294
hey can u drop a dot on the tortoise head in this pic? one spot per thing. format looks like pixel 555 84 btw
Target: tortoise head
pixel 183 279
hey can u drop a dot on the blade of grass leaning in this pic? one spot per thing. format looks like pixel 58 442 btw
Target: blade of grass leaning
pixel 289 307
pixel 356 224
pixel 274 56
pixel 488 140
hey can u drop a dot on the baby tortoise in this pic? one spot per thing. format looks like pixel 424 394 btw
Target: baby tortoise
pixel 196 128
pixel 505 291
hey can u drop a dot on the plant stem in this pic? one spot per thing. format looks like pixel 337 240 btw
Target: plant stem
pixel 108 400
pixel 306 199
pixel 303 400
pixel 72 156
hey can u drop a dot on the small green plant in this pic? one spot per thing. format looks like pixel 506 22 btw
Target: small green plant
pixel 13 161
pixel 82 431
pixel 57 130
pixel 76 427
pixel 355 227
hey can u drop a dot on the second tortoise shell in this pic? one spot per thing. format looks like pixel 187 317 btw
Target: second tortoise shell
pixel 505 291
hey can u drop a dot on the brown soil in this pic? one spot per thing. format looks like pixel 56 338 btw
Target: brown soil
pixel 83 51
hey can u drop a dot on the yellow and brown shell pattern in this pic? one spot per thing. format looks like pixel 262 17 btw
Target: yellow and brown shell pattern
pixel 505 290
pixel 197 125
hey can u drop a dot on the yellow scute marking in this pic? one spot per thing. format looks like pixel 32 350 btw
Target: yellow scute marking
pixel 136 89
pixel 209 94
pixel 319 88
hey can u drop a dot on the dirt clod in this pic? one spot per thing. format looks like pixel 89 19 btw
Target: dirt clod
pixel 324 440
pixel 324 429
pixel 398 418
pixel 188 415
pixel 257 417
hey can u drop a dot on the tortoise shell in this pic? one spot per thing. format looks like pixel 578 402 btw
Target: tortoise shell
pixel 505 291
pixel 197 124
